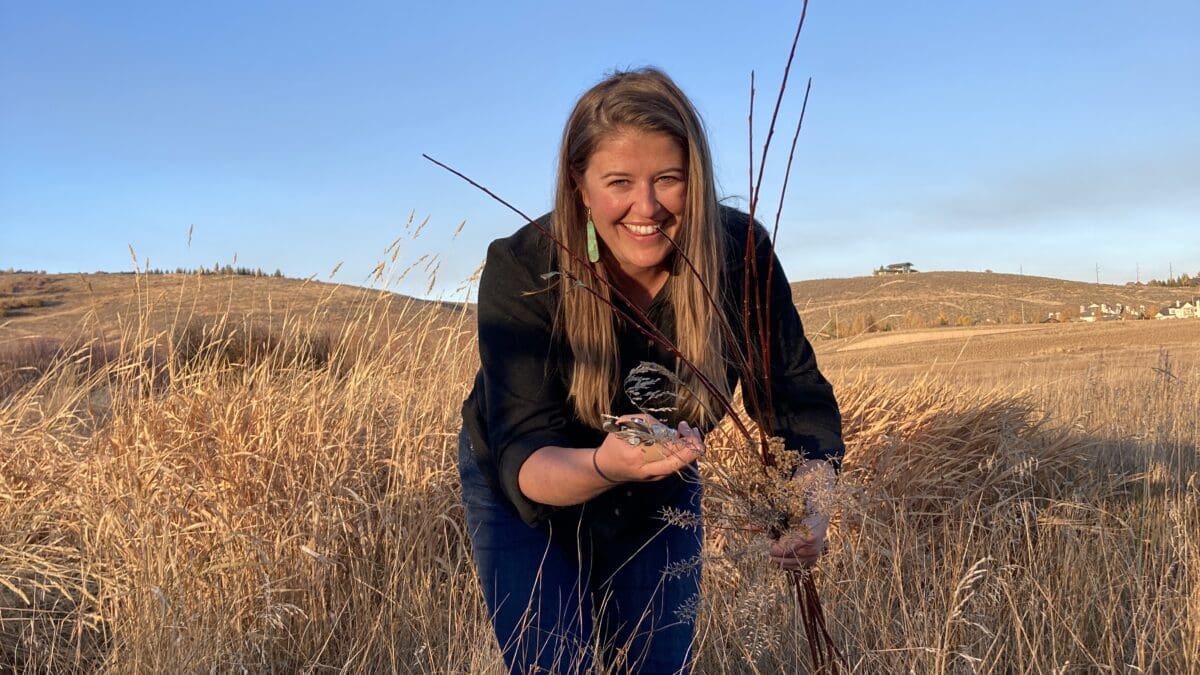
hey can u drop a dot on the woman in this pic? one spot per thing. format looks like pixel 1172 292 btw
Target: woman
pixel 564 517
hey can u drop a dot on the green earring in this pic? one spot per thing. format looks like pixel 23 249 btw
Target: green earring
pixel 593 248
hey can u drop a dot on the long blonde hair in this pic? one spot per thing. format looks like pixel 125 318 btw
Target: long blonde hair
pixel 644 100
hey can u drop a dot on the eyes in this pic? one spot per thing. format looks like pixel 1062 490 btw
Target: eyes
pixel 667 180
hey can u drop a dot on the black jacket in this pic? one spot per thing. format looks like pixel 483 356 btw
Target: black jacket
pixel 519 401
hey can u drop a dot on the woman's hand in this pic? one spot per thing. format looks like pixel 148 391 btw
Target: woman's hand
pixel 621 461
pixel 800 548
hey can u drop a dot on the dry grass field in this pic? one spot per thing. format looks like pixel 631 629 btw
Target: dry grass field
pixel 273 489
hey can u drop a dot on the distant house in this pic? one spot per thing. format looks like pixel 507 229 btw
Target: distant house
pixel 895 268
pixel 1180 310
pixel 1101 312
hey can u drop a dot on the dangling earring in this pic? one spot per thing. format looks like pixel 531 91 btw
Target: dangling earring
pixel 593 248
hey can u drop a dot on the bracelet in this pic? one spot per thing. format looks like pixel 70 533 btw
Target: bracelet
pixel 596 466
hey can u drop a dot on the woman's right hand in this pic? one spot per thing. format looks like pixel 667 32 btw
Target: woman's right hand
pixel 622 461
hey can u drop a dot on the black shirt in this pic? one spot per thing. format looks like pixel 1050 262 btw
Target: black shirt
pixel 519 401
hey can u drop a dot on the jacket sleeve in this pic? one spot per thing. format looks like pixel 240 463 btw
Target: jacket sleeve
pixel 804 408
pixel 523 394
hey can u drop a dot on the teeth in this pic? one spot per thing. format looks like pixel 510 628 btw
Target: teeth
pixel 641 229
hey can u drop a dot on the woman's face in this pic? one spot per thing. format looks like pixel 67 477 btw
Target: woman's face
pixel 636 182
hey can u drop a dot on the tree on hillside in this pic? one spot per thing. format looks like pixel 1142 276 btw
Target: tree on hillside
pixel 1182 281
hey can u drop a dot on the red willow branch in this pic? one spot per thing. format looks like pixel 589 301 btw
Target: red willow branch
pixel 778 102
pixel 826 657
pixel 751 260
pixel 778 214
pixel 824 654
pixel 747 255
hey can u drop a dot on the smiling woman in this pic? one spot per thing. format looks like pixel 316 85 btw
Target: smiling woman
pixel 564 502
pixel 634 189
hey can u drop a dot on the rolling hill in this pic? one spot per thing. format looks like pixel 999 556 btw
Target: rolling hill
pixel 41 311
pixel 59 304
pixel 62 305
pixel 916 300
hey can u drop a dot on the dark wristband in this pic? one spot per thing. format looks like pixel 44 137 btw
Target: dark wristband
pixel 596 466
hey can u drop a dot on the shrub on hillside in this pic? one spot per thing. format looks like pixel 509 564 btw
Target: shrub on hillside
pixel 13 306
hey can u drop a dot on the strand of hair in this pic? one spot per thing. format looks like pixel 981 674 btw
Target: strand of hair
pixel 738 352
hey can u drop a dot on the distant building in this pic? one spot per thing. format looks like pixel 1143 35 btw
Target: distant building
pixel 895 268
pixel 1101 312
pixel 1180 310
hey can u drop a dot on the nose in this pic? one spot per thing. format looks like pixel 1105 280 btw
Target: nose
pixel 646 203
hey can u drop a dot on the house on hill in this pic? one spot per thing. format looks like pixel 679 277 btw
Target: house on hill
pixel 895 268
pixel 1101 312
pixel 1180 310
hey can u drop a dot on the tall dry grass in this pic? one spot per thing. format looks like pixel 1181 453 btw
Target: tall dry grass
pixel 213 500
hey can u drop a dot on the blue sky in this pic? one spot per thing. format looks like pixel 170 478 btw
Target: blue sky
pixel 1046 138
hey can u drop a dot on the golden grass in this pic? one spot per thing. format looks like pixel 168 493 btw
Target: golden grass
pixel 259 509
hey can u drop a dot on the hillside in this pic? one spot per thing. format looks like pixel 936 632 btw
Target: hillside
pixel 44 311
pixel 916 300
pixel 63 305
pixel 59 305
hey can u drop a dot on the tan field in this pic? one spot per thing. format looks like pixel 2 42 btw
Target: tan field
pixel 980 350
pixel 222 498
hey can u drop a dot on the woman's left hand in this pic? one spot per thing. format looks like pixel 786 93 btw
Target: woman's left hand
pixel 800 548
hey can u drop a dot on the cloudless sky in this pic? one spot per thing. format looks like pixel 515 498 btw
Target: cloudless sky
pixel 1043 138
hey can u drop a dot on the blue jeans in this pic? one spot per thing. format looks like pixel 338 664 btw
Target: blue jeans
pixel 560 602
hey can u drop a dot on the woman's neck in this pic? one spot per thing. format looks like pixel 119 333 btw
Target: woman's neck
pixel 641 289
